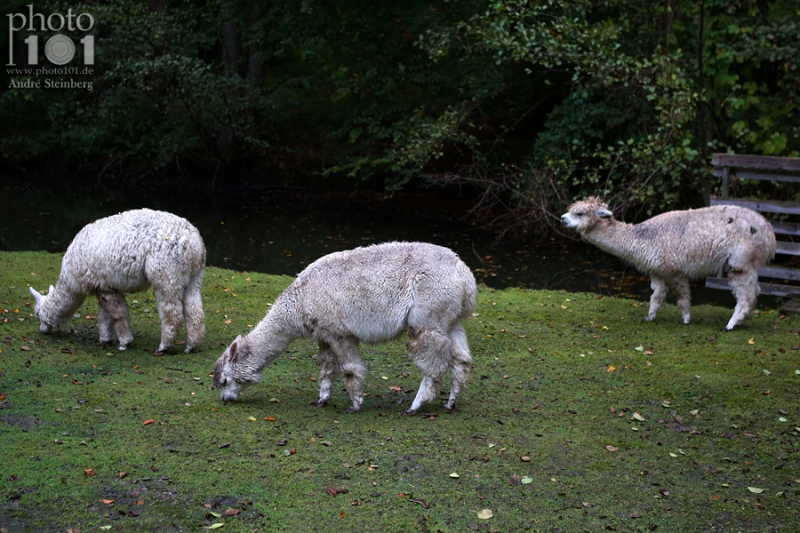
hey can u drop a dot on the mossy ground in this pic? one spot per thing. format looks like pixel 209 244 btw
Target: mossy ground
pixel 578 417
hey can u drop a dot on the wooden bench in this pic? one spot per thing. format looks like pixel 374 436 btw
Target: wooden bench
pixel 764 168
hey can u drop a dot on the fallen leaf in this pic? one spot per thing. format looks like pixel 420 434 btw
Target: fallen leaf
pixel 526 480
pixel 755 490
pixel 454 475
pixel 612 448
pixel 107 502
pixel 231 512
pixel 89 472
pixel 751 340
pixel 639 348
pixel 216 526
pixel 638 417
pixel 485 514
pixel 269 418
pixel 423 503
pixel 251 418
pixel 611 368
pixel 148 422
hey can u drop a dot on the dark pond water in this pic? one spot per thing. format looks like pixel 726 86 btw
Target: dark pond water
pixel 280 232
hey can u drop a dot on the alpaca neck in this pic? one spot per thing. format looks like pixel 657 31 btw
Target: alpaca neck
pixel 627 241
pixel 270 338
pixel 61 304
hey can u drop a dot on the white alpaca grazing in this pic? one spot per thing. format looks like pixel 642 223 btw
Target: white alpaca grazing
pixel 675 247
pixel 371 294
pixel 130 252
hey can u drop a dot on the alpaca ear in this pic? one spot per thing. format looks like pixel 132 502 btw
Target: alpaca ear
pixel 233 351
pixel 604 213
pixel 50 290
pixel 36 295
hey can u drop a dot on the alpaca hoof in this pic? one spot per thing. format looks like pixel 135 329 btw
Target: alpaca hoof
pixel 159 353
pixel 123 347
pixel 647 319
pixel 352 410
pixel 319 403
pixel 409 412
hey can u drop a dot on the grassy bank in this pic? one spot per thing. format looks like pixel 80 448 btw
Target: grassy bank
pixel 578 417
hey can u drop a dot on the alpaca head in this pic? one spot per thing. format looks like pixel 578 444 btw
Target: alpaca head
pixel 41 310
pixel 231 371
pixel 585 215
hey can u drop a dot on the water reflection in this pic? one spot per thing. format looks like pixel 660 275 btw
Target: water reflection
pixel 280 232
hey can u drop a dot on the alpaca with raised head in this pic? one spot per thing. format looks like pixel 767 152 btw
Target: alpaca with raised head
pixel 370 294
pixel 125 253
pixel 675 247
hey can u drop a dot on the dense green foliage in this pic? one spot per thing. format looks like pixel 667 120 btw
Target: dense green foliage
pixel 530 103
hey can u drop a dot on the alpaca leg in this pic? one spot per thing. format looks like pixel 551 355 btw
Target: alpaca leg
pixel 432 352
pixel 745 288
pixel 350 365
pixel 459 366
pixel 170 310
pixel 659 287
pixel 105 325
pixel 193 314
pixel 117 308
pixel 682 290
pixel 328 372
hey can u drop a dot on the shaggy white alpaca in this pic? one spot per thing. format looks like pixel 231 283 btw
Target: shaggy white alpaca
pixel 370 294
pixel 675 247
pixel 130 252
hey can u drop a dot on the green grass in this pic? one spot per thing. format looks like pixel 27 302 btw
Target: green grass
pixel 546 436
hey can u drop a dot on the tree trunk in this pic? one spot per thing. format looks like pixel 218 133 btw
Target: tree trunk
pixel 231 49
